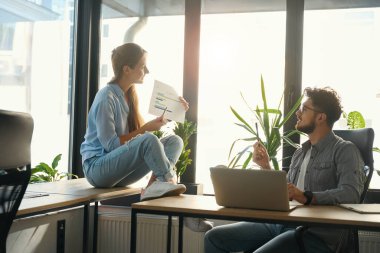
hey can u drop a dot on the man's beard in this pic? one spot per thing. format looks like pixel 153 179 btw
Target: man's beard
pixel 307 129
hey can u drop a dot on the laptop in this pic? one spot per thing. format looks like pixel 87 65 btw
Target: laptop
pixel 251 188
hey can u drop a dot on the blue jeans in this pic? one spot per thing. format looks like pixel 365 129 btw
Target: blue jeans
pixel 130 162
pixel 259 238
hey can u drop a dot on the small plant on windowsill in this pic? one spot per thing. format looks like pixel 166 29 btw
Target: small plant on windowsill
pixel 184 130
pixel 355 120
pixel 270 120
pixel 46 173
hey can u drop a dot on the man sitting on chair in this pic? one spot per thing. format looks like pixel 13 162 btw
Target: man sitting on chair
pixel 326 170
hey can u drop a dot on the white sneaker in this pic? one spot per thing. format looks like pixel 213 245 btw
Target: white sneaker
pixel 198 224
pixel 162 189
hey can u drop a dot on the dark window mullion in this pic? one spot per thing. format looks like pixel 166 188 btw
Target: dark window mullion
pixel 191 75
pixel 293 67
pixel 86 75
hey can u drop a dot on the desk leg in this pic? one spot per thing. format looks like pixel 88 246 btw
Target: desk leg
pixel 180 233
pixel 169 234
pixel 85 228
pixel 95 235
pixel 356 240
pixel 133 231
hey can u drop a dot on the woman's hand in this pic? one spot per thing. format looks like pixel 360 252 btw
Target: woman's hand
pixel 260 156
pixel 184 103
pixel 154 124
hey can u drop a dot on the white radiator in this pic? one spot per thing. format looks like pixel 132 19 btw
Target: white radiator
pixel 369 242
pixel 114 234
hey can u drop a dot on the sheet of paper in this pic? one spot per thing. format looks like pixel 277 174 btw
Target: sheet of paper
pixel 165 97
pixel 362 208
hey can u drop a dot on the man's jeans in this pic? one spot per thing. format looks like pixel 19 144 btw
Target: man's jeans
pixel 259 238
pixel 130 162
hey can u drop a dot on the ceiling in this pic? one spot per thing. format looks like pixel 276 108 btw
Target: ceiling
pixel 136 8
pixel 15 10
pixel 21 10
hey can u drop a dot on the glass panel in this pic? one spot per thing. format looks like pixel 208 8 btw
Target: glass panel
pixel 236 49
pixel 341 50
pixel 35 71
pixel 161 36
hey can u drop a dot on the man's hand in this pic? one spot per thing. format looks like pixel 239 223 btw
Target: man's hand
pixel 296 194
pixel 260 156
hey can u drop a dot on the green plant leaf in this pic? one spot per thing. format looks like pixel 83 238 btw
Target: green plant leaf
pixel 37 169
pixel 291 111
pixel 246 128
pixel 239 156
pixel 46 169
pixel 265 111
pixel 158 133
pixel 238 140
pixel 36 179
pixel 44 173
pixel 46 178
pixel 275 163
pixel 241 119
pixel 247 161
pixel 271 122
pixel 56 160
pixel 355 120
pixel 184 130
pixel 290 142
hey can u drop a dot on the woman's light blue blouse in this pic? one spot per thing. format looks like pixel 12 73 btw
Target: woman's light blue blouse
pixel 107 120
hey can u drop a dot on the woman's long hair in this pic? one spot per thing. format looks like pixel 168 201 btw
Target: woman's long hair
pixel 129 55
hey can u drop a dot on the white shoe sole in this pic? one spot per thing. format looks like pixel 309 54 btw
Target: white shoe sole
pixel 174 191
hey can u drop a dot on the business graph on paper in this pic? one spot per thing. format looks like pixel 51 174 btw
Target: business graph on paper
pixel 166 99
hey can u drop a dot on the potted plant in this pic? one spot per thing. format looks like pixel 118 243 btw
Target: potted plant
pixel 184 130
pixel 354 119
pixel 270 120
pixel 46 173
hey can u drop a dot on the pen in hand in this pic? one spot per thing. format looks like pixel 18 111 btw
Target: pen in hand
pixel 164 112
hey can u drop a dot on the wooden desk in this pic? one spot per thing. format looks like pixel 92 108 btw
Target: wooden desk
pixel 51 202
pixel 206 207
pixel 67 194
pixel 81 187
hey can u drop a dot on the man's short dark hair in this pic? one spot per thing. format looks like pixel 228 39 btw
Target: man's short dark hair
pixel 327 101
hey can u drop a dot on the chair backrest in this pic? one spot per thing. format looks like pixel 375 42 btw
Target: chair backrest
pixel 363 139
pixel 16 131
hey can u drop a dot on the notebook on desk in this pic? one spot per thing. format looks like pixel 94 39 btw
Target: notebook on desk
pixel 252 189
pixel 362 208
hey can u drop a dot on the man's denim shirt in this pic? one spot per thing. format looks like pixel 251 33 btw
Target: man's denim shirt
pixel 335 174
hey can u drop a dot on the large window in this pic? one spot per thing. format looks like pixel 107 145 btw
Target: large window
pixel 341 50
pixel 161 36
pixel 235 50
pixel 35 71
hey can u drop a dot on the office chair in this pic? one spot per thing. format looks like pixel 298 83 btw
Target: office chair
pixel 16 131
pixel 363 139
